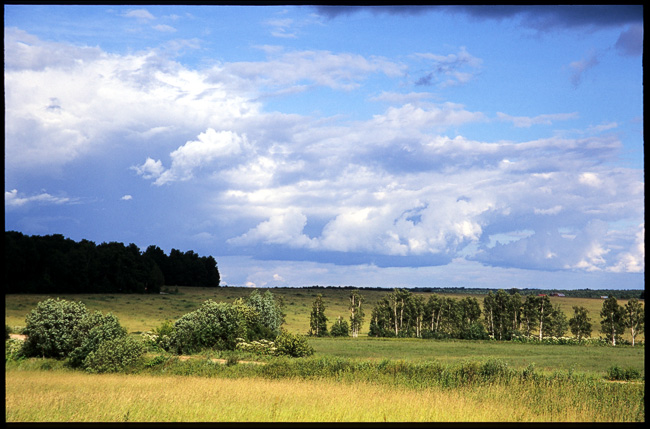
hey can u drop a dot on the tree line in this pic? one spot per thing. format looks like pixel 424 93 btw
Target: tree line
pixel 504 316
pixel 574 293
pixel 55 264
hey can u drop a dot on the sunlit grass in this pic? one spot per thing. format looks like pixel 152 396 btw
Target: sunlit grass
pixel 60 396
pixel 545 356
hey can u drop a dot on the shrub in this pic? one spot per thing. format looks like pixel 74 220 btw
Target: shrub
pixel 160 338
pixel 340 328
pixel 8 332
pixel 269 316
pixel 475 331
pixel 292 345
pixel 495 369
pixel 100 328
pixel 616 373
pixel 54 328
pixel 114 355
pixel 213 325
pixel 261 347
pixel 13 349
pixel 160 359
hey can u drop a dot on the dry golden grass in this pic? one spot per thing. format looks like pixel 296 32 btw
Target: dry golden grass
pixel 37 396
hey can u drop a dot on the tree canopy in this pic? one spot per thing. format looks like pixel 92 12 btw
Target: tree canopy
pixel 55 264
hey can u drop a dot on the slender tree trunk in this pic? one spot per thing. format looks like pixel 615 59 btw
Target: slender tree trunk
pixel 395 314
pixel 541 322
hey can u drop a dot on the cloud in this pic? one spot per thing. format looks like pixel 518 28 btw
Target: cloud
pixel 209 146
pixel 525 121
pixel 401 187
pixel 281 28
pixel 322 68
pixel 284 228
pixel 632 261
pixel 65 103
pixel 150 169
pixel 139 14
pixel 547 249
pixel 12 199
pixel 164 28
pixel 580 67
pixel 126 198
pixel 547 18
pixel 630 42
pixel 455 69
pixel 538 17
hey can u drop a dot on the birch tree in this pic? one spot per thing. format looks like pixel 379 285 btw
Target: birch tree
pixel 318 320
pixel 580 323
pixel 529 313
pixel 612 323
pixel 356 312
pixel 634 317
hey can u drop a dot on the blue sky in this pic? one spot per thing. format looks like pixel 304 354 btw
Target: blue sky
pixel 368 146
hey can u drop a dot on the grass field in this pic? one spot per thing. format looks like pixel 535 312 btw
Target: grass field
pixel 40 390
pixel 545 357
pixel 65 396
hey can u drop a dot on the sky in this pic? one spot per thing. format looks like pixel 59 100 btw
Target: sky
pixel 421 146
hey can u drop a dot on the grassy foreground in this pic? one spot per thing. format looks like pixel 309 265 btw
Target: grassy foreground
pixel 62 396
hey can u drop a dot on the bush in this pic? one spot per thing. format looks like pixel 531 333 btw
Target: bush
pixel 261 347
pixel 114 355
pixel 54 328
pixel 340 329
pixel 475 331
pixel 13 349
pixel 9 331
pixel 100 328
pixel 616 373
pixel 292 345
pixel 213 325
pixel 160 338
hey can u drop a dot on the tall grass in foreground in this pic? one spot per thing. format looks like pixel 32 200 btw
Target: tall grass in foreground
pixel 63 396
pixel 348 390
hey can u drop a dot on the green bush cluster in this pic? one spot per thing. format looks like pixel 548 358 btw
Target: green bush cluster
pixel 293 345
pixel 13 349
pixel 219 325
pixel 213 325
pixel 114 355
pixel 340 328
pixel 63 329
pixel 616 373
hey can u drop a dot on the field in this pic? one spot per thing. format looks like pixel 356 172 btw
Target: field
pixel 139 313
pixel 571 386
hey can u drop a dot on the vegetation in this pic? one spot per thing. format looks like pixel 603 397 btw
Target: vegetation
pixel 317 318
pixel 242 334
pixel 340 328
pixel 54 264
pixel 580 323
pixel 353 391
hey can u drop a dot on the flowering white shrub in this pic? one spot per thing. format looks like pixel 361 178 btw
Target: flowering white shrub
pixel 260 347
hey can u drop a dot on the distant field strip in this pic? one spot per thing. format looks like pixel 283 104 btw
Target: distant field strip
pixel 63 396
